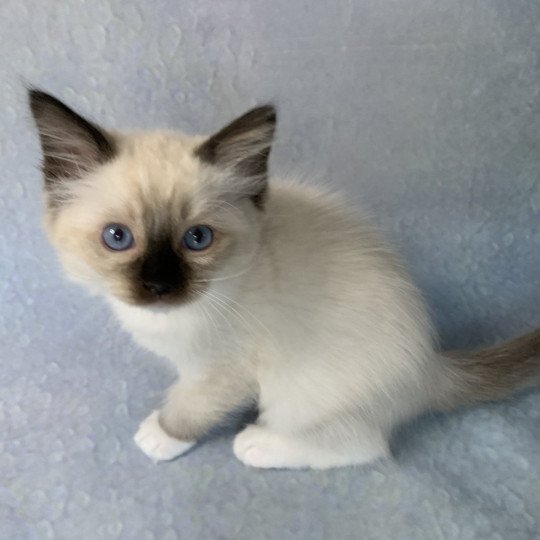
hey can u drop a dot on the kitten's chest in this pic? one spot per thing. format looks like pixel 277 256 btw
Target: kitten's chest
pixel 171 334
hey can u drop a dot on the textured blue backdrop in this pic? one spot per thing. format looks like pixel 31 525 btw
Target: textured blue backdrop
pixel 426 112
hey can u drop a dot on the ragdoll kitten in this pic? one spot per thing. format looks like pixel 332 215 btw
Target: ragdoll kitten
pixel 270 294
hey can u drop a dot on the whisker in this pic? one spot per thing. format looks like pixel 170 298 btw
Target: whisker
pixel 228 308
pixel 214 306
pixel 205 315
pixel 217 304
pixel 238 274
pixel 256 319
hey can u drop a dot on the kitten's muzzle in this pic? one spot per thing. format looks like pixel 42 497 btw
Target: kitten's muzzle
pixel 162 272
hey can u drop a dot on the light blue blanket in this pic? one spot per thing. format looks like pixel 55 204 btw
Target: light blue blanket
pixel 425 112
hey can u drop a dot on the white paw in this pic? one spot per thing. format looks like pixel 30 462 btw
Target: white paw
pixel 258 447
pixel 157 444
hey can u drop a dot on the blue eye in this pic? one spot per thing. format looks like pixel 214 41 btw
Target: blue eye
pixel 117 237
pixel 198 237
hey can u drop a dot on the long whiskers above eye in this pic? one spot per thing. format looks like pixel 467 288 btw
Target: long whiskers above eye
pixel 213 205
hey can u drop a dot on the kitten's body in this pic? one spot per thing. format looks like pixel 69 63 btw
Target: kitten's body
pixel 319 351
pixel 302 310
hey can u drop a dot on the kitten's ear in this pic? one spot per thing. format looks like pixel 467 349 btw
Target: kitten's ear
pixel 244 147
pixel 71 145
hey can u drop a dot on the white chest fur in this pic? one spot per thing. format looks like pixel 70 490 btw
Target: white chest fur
pixel 167 332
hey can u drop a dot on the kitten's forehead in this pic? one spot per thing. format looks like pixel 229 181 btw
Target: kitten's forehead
pixel 155 171
pixel 156 185
pixel 164 160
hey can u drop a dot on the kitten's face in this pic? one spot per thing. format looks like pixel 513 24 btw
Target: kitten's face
pixel 153 218
pixel 155 192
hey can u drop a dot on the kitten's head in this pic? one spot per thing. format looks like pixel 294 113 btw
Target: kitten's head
pixel 153 218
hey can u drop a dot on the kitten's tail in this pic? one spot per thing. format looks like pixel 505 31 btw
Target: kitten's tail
pixel 490 374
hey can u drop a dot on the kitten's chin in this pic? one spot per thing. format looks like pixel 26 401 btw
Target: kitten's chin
pixel 151 302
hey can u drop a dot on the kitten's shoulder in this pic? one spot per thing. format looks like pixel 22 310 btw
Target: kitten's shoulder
pixel 295 201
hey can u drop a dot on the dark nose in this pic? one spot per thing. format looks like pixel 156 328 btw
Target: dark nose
pixel 159 289
pixel 161 272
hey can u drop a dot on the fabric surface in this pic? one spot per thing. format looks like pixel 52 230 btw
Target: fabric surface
pixel 425 112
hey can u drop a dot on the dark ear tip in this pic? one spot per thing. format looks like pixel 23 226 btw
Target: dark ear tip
pixel 34 94
pixel 267 112
pixel 34 97
pixel 264 114
pixel 41 101
pixel 38 98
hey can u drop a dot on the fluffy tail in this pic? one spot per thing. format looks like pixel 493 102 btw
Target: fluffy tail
pixel 490 374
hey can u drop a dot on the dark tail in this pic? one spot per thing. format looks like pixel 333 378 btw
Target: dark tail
pixel 491 374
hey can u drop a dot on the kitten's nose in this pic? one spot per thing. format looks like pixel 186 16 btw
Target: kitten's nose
pixel 159 289
pixel 161 273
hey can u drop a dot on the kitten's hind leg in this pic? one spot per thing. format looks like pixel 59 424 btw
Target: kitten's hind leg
pixel 258 446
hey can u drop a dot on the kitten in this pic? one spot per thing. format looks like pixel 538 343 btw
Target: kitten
pixel 270 294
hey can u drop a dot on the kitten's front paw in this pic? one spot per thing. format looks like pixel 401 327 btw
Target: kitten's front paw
pixel 156 444
pixel 258 447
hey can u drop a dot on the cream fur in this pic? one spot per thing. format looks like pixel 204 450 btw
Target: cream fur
pixel 297 305
pixel 322 327
pixel 310 315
